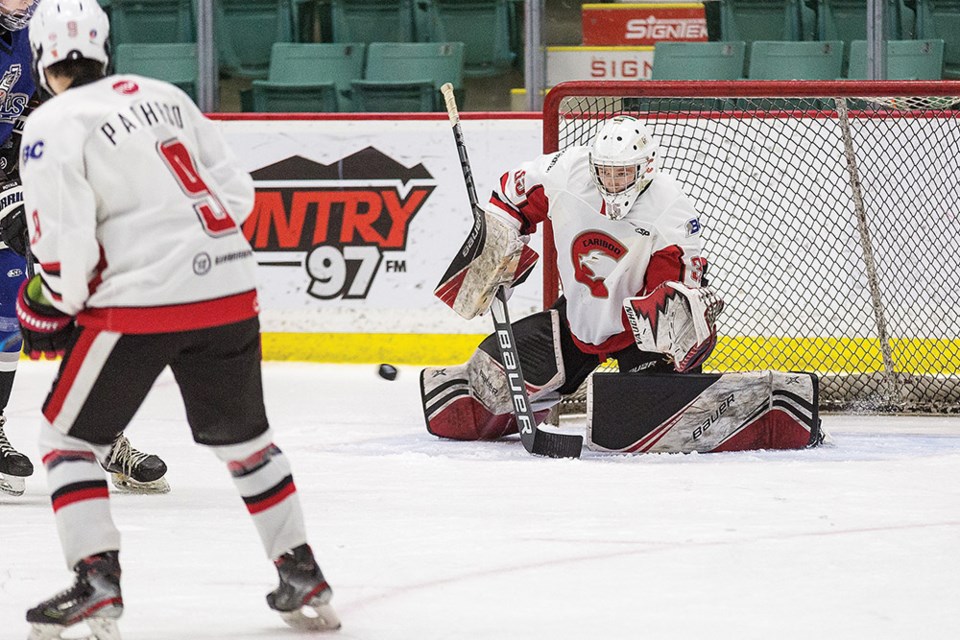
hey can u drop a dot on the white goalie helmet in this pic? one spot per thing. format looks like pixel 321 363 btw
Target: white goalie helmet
pixel 623 161
pixel 15 14
pixel 68 30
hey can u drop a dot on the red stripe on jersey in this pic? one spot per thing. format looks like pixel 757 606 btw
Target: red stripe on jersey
pixel 94 493
pixel 98 272
pixel 68 374
pixel 256 507
pixel 665 264
pixel 612 344
pixel 51 267
pixel 175 317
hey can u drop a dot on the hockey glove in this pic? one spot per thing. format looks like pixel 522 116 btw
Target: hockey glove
pixel 677 321
pixel 13 221
pixel 502 259
pixel 44 329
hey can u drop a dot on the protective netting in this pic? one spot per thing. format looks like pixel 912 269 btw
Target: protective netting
pixel 831 225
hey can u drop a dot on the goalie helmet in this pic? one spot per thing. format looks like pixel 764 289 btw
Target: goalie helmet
pixel 15 14
pixel 67 30
pixel 622 162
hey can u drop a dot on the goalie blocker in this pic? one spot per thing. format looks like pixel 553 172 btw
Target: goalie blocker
pixel 674 413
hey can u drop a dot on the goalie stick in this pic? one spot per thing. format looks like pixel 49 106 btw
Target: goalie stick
pixel 535 440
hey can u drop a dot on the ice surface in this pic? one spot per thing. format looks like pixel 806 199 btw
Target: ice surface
pixel 424 539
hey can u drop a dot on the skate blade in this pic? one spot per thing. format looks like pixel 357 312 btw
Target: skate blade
pixel 312 617
pixel 98 629
pixel 12 485
pixel 126 484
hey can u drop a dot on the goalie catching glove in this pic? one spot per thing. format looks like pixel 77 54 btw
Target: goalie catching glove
pixel 44 329
pixel 494 255
pixel 677 321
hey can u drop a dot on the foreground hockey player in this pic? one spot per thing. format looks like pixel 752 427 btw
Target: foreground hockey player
pixel 628 243
pixel 134 203
pixel 131 470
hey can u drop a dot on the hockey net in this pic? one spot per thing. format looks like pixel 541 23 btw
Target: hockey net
pixel 831 216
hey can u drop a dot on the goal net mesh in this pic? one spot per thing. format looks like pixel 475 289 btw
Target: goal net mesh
pixel 831 222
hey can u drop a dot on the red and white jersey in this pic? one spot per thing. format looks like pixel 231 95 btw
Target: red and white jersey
pixel 134 202
pixel 602 261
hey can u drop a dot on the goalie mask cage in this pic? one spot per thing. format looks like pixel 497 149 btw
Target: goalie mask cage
pixel 831 224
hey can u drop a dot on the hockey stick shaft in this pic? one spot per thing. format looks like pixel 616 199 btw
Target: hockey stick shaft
pixel 536 441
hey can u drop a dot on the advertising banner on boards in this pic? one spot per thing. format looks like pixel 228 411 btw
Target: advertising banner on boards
pixel 356 220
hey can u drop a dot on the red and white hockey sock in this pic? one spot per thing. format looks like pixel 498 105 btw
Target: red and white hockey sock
pixel 80 496
pixel 262 475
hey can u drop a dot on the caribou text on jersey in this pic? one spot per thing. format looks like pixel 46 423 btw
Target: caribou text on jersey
pixel 143 113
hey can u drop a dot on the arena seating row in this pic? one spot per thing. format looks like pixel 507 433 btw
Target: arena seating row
pixel 246 30
pixel 843 20
pixel 790 60
pixel 322 77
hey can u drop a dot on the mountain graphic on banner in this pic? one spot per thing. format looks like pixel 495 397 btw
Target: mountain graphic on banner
pixel 366 164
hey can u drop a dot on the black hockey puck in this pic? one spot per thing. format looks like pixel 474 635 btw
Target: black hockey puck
pixel 388 372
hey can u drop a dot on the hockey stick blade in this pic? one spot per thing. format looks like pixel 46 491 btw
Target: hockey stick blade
pixel 535 441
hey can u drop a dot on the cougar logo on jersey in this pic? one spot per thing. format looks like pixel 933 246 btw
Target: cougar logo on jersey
pixel 594 255
pixel 337 220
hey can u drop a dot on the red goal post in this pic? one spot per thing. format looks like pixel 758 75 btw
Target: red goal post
pixel 831 215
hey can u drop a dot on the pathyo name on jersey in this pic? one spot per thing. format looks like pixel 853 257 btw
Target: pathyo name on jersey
pixel 141 114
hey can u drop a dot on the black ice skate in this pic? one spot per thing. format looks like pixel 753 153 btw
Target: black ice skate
pixel 133 471
pixel 303 597
pixel 14 466
pixel 94 600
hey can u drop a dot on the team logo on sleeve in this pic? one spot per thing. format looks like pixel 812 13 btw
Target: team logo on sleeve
pixel 343 223
pixel 693 227
pixel 594 255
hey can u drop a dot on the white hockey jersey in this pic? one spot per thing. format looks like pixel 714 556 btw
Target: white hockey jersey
pixel 602 261
pixel 133 203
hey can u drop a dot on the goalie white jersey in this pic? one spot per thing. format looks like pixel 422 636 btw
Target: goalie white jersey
pixel 602 261
pixel 131 158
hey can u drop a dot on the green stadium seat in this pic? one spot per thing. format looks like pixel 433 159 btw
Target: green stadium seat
pixel 174 62
pixel 941 19
pixel 750 20
pixel 369 21
pixel 906 60
pixel 152 21
pixel 407 76
pixel 846 20
pixel 484 26
pixel 309 77
pixel 698 60
pixel 245 32
pixel 774 60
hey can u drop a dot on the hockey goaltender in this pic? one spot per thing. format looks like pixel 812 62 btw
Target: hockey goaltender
pixel 631 264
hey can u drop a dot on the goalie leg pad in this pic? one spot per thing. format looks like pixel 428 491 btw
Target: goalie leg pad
pixel 672 413
pixel 472 401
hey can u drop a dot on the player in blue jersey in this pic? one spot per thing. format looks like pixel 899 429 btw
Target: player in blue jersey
pixel 131 470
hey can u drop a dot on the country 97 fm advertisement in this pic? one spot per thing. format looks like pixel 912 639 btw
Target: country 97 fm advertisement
pixel 356 220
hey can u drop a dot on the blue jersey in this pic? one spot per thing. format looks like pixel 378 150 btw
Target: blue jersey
pixel 16 81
